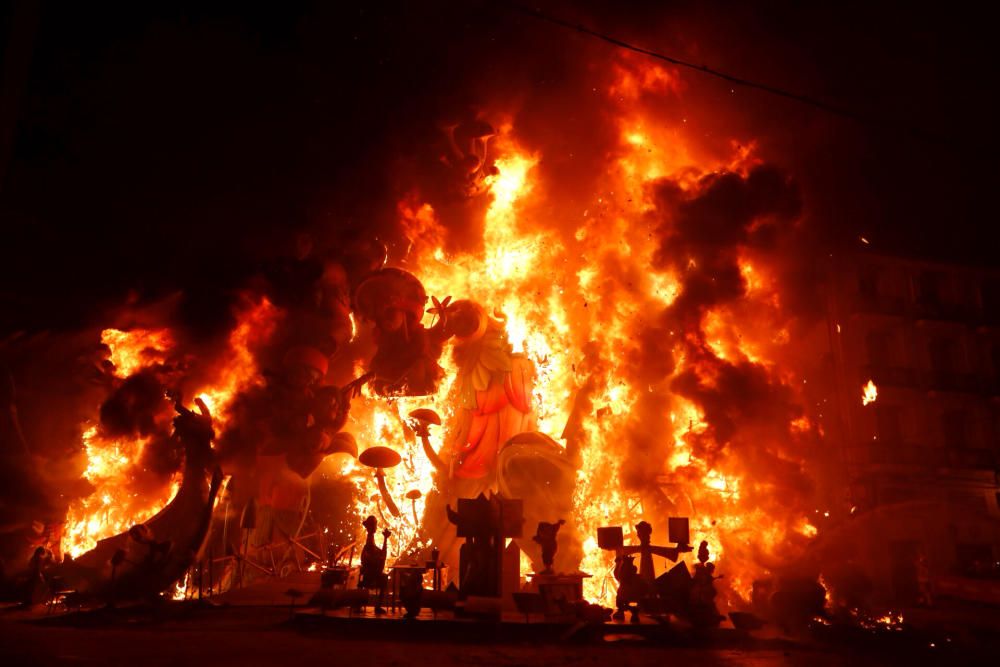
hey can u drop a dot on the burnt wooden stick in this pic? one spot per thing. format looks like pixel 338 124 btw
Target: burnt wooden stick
pixel 259 567
pixel 305 548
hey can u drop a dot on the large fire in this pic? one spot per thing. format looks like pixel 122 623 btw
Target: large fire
pixel 583 290
pixel 577 295
pixel 123 494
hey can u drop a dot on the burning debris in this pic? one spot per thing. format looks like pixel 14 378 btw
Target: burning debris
pixel 869 393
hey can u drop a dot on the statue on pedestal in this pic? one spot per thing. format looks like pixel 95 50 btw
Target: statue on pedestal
pixel 545 536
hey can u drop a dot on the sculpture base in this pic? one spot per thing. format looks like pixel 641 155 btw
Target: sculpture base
pixel 559 592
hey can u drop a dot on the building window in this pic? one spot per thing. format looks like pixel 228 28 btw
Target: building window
pixel 929 288
pixel 889 424
pixel 991 298
pixel 955 428
pixel 976 560
pixel 868 281
pixel 878 348
pixel 895 494
pixel 943 355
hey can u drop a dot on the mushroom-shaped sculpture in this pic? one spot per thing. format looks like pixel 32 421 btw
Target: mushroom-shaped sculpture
pixel 379 457
pixel 413 496
pixel 422 419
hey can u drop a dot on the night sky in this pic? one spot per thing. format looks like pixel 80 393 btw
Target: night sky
pixel 157 148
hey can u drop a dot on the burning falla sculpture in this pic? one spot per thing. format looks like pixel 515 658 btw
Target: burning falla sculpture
pixel 306 417
pixel 545 537
pixel 151 557
pixel 468 155
pixel 494 387
pixel 491 443
pixel 405 361
pixel 493 384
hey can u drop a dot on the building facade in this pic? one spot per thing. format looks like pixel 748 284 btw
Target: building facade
pixel 921 459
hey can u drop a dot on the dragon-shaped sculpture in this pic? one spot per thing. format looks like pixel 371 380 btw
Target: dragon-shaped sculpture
pixel 150 558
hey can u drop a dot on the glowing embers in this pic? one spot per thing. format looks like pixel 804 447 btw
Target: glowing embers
pixel 727 487
pixel 869 393
pixel 183 588
pixel 136 349
pixel 807 529
pixel 891 620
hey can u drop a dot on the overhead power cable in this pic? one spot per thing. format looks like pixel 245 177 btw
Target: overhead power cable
pixel 735 80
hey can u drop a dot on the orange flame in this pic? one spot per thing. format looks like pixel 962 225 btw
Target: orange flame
pixel 136 349
pixel 114 465
pixel 576 303
pixel 869 393
pixel 577 289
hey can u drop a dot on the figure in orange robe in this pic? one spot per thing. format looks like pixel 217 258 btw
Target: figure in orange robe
pixel 493 392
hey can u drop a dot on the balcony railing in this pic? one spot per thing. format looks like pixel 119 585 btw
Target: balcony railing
pixel 892 376
pixel 909 454
pixel 952 381
pixel 949 311
pixel 944 381
pixel 979 459
pixel 904 454
pixel 873 304
pixel 942 310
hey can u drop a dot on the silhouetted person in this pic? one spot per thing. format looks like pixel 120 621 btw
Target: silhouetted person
pixel 373 562
pixel 926 594
pixel 36 588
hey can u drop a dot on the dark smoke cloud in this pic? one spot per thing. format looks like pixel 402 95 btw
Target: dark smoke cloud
pixel 702 234
pixel 132 410
pixel 748 413
pixel 703 231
